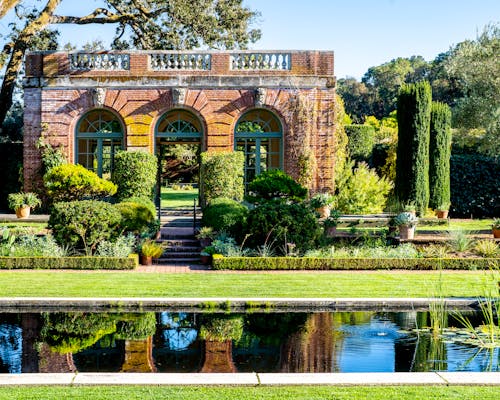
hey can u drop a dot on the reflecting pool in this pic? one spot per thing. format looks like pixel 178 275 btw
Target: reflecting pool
pixel 225 342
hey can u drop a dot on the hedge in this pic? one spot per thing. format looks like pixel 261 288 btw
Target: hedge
pixel 68 263
pixel 306 263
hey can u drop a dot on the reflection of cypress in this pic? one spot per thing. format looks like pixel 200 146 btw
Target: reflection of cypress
pixel 313 348
pixel 30 324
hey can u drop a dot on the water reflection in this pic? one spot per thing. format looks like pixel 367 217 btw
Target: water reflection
pixel 214 342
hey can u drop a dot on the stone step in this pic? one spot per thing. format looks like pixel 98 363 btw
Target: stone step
pixel 178 261
pixel 181 255
pixel 192 242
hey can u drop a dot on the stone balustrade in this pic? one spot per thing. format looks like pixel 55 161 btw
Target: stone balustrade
pixel 260 61
pixel 99 61
pixel 180 61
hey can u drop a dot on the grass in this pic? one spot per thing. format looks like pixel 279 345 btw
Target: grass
pixel 178 198
pixel 250 393
pixel 40 283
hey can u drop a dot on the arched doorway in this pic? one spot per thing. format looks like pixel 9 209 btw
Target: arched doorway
pixel 259 135
pixel 178 143
pixel 99 135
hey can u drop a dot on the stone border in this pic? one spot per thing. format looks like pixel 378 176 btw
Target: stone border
pixel 255 379
pixel 225 304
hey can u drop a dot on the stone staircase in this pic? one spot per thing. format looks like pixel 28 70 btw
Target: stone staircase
pixel 178 233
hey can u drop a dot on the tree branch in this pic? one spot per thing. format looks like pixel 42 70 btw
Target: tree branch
pixel 6 6
pixel 99 16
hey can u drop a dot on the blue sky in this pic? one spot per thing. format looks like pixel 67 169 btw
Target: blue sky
pixel 362 33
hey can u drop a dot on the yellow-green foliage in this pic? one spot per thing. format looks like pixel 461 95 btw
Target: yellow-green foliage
pixel 135 216
pixel 74 182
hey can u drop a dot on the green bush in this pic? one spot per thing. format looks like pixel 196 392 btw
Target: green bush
pixel 135 174
pixel 301 263
pixel 144 201
pixel 439 156
pixel 222 175
pixel 361 191
pixel 475 186
pixel 275 185
pixel 361 139
pixel 412 165
pixel 33 246
pixel 225 215
pixel 91 263
pixel 122 247
pixel 135 217
pixel 70 182
pixel 83 224
pixel 276 223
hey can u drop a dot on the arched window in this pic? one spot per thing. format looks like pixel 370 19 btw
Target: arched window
pixel 258 135
pixel 179 126
pixel 99 135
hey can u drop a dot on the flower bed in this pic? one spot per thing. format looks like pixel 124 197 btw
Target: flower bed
pixel 309 263
pixel 91 263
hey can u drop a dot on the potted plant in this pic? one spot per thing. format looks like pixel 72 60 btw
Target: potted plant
pixel 206 255
pixel 410 208
pixel 442 210
pixel 495 227
pixel 321 203
pixel 23 202
pixel 330 223
pixel 406 222
pixel 149 250
pixel 205 235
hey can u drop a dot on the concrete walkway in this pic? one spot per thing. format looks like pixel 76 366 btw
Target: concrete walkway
pixel 257 379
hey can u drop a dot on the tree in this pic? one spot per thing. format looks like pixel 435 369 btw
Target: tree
pixel 439 156
pixel 412 165
pixel 142 24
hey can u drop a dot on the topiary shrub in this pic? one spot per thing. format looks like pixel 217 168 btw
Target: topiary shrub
pixel 225 215
pixel 144 201
pixel 84 224
pixel 222 175
pixel 361 139
pixel 275 185
pixel 135 174
pixel 135 216
pixel 412 165
pixel 276 223
pixel 439 156
pixel 71 182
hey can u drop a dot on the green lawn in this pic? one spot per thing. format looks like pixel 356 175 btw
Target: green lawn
pixel 41 283
pixel 178 198
pixel 250 393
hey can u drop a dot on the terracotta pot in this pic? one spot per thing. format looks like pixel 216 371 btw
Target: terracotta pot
pixel 205 260
pixel 146 260
pixel 331 231
pixel 406 232
pixel 324 212
pixel 442 214
pixel 23 212
pixel 496 233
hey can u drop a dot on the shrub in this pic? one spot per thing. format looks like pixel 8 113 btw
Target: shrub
pixel 144 201
pixel 486 248
pixel 439 156
pixel 362 191
pixel 70 182
pixel 277 223
pixel 222 175
pixel 361 139
pixel 92 263
pixel 412 165
pixel 225 215
pixel 35 246
pixel 475 186
pixel 84 224
pixel 122 247
pixel 135 174
pixel 135 217
pixel 275 185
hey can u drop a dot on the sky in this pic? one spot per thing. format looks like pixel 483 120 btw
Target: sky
pixel 362 33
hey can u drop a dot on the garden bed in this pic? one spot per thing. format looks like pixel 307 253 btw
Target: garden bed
pixel 309 263
pixel 90 263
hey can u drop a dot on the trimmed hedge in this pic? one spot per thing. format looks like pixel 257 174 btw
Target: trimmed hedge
pixel 68 263
pixel 306 263
pixel 135 174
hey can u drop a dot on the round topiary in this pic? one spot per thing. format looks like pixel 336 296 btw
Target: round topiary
pixel 225 215
pixel 84 224
pixel 278 224
pixel 135 217
pixel 275 185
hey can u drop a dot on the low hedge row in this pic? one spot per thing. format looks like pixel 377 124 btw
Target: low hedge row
pixel 306 263
pixel 68 263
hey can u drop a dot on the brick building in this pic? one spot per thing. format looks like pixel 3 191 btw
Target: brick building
pixel 277 107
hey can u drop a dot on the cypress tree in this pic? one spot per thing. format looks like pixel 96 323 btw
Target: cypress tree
pixel 412 164
pixel 439 156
